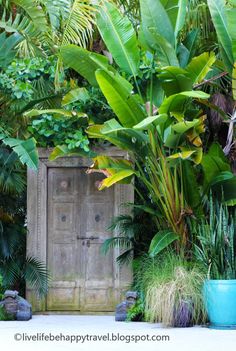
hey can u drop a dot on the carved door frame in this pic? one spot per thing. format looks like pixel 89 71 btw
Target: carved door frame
pixel 37 215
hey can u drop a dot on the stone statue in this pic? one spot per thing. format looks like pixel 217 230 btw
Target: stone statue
pixel 123 307
pixel 19 308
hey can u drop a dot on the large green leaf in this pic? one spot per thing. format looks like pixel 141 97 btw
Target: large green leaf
pixel 8 48
pixel 84 62
pixel 161 241
pixel 119 37
pixel 62 151
pixel 77 94
pixel 123 177
pixel 174 80
pixel 175 103
pixel 213 164
pixel 191 186
pixel 190 42
pixel 165 52
pixel 151 120
pixel 154 15
pixel 231 15
pixel 111 164
pixel 118 93
pixel 181 14
pixel 218 14
pixel 65 113
pixel 25 149
pixel 176 11
pixel 115 170
pixel 183 127
pixel 225 190
pixel 122 138
pixel 112 126
pixel 200 66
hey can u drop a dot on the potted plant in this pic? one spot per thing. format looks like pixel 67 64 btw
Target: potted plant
pixel 217 251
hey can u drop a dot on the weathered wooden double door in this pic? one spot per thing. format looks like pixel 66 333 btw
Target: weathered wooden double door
pixel 78 217
pixel 67 218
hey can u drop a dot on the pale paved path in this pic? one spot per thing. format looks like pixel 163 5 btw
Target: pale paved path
pixel 190 339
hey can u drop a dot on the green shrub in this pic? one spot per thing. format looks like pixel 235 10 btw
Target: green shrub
pixel 136 312
pixel 51 131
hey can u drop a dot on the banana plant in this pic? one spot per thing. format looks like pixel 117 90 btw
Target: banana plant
pixel 160 138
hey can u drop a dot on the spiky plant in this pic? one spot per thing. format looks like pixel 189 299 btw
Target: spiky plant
pixel 216 247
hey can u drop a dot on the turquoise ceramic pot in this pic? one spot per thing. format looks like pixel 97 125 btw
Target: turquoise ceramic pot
pixel 220 302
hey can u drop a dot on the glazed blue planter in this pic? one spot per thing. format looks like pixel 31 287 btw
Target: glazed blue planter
pixel 220 302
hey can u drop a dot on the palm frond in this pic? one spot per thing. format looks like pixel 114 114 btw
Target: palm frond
pixel 35 12
pixel 10 272
pixel 125 258
pixel 36 275
pixel 30 35
pixel 12 237
pixel 12 178
pixel 57 12
pixel 118 241
pixel 79 24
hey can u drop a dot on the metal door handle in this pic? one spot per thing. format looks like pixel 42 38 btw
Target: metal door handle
pixel 87 237
pixel 81 237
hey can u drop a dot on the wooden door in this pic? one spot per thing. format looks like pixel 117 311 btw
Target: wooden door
pixel 78 216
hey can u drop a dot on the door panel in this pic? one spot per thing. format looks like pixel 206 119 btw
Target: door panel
pixel 78 215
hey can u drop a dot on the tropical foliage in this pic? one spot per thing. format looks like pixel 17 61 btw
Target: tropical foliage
pixel 162 134
pixel 155 78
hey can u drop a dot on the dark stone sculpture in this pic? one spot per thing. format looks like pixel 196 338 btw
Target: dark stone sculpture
pixel 123 307
pixel 16 306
